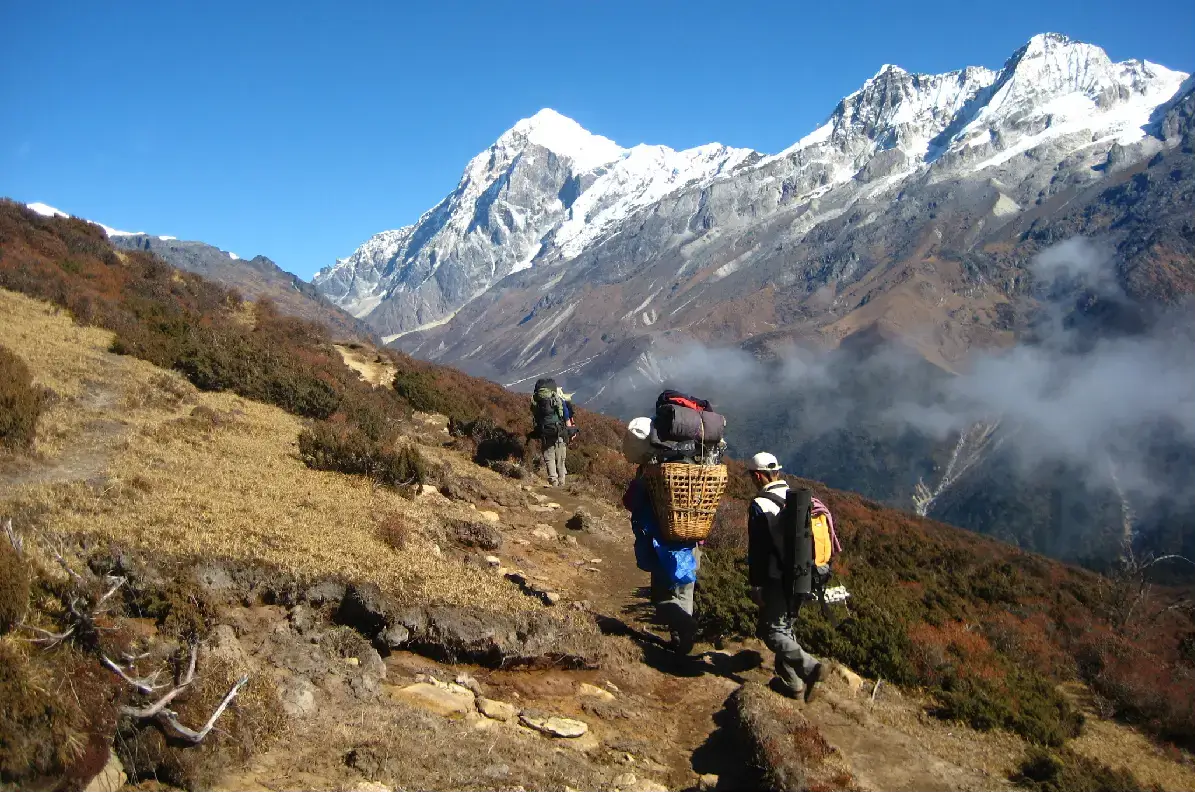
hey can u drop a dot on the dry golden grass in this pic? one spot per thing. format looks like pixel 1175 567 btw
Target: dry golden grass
pixel 187 485
pixel 1121 746
pixel 996 752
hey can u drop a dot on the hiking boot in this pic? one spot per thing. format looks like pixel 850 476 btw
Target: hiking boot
pixel 819 673
pixel 781 686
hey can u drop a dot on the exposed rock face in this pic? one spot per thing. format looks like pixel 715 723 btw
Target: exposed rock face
pixel 468 634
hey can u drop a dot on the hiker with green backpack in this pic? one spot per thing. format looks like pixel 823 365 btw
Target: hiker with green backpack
pixel 552 426
pixel 791 542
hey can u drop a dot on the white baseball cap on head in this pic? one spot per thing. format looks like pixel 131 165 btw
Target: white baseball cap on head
pixel 765 462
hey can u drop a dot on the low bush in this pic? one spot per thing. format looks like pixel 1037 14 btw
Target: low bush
pixel 341 447
pixel 492 443
pixel 475 534
pixel 1049 770
pixel 394 532
pixel 40 727
pixel 1024 704
pixel 14 589
pixel 21 402
pixel 418 390
pixel 723 605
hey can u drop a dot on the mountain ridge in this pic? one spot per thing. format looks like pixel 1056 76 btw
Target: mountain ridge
pixel 895 117
pixel 254 277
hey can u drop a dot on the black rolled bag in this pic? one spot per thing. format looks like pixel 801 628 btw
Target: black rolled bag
pixel 675 423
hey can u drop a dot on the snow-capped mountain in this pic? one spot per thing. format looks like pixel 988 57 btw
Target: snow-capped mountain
pixel 549 193
pixel 544 191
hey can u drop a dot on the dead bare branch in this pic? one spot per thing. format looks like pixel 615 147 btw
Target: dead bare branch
pixel 56 552
pixel 48 637
pixel 104 598
pixel 160 705
pixel 875 691
pixel 143 686
pixel 171 719
pixel 14 538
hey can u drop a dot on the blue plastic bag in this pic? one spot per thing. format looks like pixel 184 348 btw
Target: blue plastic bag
pixel 675 562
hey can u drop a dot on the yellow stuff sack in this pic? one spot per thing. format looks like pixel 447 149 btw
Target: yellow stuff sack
pixel 822 541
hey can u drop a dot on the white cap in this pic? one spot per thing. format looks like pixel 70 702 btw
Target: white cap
pixel 765 462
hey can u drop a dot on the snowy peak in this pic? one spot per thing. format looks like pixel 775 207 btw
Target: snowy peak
pixel 563 136
pixel 899 108
pixel 1050 86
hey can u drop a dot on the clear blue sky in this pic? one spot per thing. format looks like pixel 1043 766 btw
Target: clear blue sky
pixel 298 129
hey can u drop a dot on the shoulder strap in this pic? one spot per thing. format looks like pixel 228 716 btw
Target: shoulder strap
pixel 774 498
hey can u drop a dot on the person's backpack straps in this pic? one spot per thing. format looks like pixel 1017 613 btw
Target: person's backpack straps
pixel 774 498
pixel 773 524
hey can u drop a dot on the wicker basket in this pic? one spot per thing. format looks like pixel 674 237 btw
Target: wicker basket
pixel 685 498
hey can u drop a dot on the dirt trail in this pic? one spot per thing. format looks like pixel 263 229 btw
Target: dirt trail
pixel 688 706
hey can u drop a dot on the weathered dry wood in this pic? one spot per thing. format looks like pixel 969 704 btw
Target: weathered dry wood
pixel 171 719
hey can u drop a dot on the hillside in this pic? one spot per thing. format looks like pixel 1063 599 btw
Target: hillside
pixel 206 476
pixel 929 214
pixel 254 278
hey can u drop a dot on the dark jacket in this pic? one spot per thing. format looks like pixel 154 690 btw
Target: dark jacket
pixel 765 547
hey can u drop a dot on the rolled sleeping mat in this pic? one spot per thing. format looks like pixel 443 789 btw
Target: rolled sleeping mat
pixel 679 424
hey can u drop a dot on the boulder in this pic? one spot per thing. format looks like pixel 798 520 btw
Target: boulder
pixel 490 516
pixel 544 532
pixel 649 786
pixel 558 727
pixel 585 522
pixel 441 701
pixel 371 786
pixel 305 619
pixel 495 709
pixel 393 637
pixel 588 690
pixel 475 534
pixel 297 695
pixel 324 593
pixel 366 609
pixel 852 680
pixel 468 683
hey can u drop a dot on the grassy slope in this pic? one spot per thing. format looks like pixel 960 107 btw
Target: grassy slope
pixel 937 607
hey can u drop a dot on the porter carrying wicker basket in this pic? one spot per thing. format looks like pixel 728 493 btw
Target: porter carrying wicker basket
pixel 685 498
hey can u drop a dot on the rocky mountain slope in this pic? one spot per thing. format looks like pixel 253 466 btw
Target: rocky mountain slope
pixel 910 223
pixel 254 278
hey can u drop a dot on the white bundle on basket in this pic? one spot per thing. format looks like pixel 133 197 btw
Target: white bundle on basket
pixel 636 445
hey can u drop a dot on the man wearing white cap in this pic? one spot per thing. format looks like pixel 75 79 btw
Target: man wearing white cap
pixel 798 672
